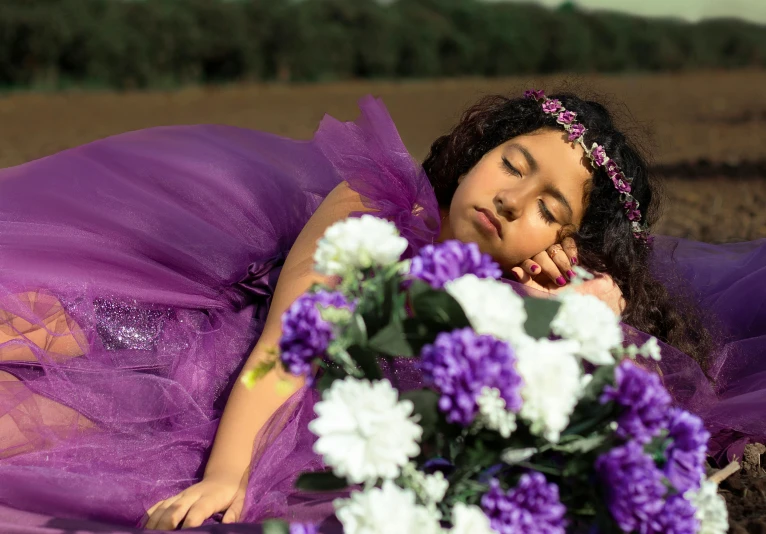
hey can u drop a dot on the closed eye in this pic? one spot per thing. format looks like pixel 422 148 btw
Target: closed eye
pixel 509 168
pixel 545 213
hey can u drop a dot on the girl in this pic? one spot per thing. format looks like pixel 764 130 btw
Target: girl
pixel 138 273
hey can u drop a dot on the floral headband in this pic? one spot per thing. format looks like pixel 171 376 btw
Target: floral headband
pixel 598 158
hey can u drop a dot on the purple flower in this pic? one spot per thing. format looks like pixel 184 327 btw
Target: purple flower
pixel 532 507
pixel 676 517
pixel 686 454
pixel 633 486
pixel 537 94
pixel 305 335
pixel 575 131
pixel 634 215
pixel 612 169
pixel 303 528
pixel 552 106
pixel 460 363
pixel 598 155
pixel 566 117
pixel 621 185
pixel 631 205
pixel 452 259
pixel 644 399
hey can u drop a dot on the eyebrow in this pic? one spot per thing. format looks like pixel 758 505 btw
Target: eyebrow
pixel 551 190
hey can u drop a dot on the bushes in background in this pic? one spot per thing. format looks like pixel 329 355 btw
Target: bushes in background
pixel 150 43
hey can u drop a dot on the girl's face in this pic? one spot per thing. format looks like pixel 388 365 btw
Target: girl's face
pixel 517 199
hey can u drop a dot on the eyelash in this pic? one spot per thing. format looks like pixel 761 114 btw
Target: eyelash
pixel 546 215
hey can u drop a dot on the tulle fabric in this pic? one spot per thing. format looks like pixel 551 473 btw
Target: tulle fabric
pixel 135 277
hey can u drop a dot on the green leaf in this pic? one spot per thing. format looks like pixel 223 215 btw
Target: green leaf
pixel 392 341
pixel 356 331
pixel 426 402
pixel 262 369
pixel 276 526
pixel 582 445
pixel 419 333
pixel 367 361
pixel 439 307
pixel 329 375
pixel 540 314
pixel 321 481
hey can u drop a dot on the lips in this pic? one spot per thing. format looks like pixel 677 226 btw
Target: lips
pixel 494 220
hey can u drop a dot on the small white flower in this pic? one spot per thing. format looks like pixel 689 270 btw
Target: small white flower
pixel 491 306
pixel 514 456
pixel 469 519
pixel 358 243
pixel 552 385
pixel 386 510
pixel 651 349
pixel 430 489
pixel 711 509
pixel 364 432
pixel 492 412
pixel 590 322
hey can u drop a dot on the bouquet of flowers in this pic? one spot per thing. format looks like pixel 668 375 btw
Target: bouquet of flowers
pixel 533 417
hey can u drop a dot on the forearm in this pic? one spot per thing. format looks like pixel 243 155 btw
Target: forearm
pixel 249 409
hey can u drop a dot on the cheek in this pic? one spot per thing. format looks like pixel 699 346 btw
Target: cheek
pixel 528 239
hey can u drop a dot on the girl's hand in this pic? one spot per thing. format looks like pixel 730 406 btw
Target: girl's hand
pixel 553 267
pixel 197 503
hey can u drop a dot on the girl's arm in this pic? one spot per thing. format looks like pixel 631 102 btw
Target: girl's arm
pixel 248 409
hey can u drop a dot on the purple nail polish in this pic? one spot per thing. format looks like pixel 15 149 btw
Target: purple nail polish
pixel 574 260
pixel 534 268
pixel 571 274
pixel 560 281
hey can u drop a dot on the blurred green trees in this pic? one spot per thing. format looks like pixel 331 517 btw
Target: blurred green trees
pixel 154 43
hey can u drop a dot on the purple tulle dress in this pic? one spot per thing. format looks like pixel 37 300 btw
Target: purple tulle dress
pixel 136 273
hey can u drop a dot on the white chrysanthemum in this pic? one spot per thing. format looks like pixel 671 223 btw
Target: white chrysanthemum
pixel 492 412
pixel 469 519
pixel 364 432
pixel 552 385
pixel 491 306
pixel 358 243
pixel 711 509
pixel 430 489
pixel 386 510
pixel 590 322
pixel 651 349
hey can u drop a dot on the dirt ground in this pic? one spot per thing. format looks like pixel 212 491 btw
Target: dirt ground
pixel 706 131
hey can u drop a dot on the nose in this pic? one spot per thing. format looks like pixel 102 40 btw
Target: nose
pixel 509 203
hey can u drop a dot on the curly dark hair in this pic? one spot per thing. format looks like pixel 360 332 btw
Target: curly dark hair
pixel 604 240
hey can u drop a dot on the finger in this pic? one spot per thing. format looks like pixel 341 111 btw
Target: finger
pixel 570 247
pixel 175 513
pixel 550 269
pixel 531 268
pixel 155 512
pixel 235 510
pixel 560 258
pixel 198 513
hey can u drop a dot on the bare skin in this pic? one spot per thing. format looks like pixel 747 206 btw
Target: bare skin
pixel 533 187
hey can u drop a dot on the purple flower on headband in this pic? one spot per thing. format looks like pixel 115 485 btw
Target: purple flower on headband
pixel 537 94
pixel 551 106
pixel 566 117
pixel 634 215
pixel 622 186
pixel 576 131
pixel 631 205
pixel 612 169
pixel 598 155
